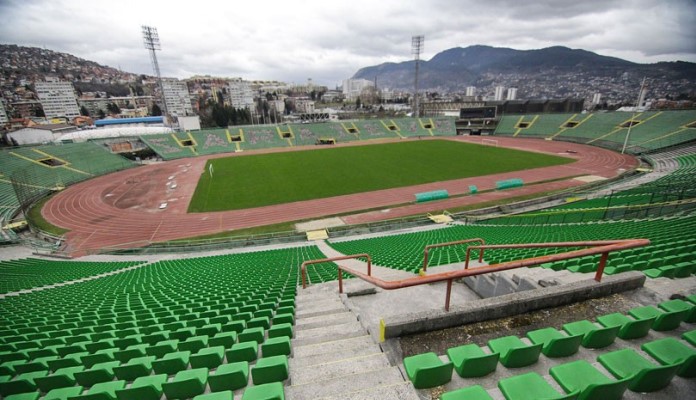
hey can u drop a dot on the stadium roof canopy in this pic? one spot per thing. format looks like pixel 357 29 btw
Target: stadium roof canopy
pixel 113 132
pixel 124 121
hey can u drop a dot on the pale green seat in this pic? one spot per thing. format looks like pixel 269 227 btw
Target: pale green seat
pixel 243 351
pixel 63 377
pixel 103 372
pixel 193 344
pixel 645 376
pixel 143 388
pixel 208 357
pixel 427 370
pixel 162 348
pixel 594 337
pixel 135 368
pixel 268 391
pixel 690 337
pixel 270 369
pixel 514 353
pixel 555 343
pixel 680 305
pixel 531 386
pixel 669 351
pixel 471 361
pixel 476 392
pixel 256 334
pixel 172 363
pixel 629 328
pixel 186 384
pixel 230 376
pixel 224 339
pixel 279 330
pixel 581 376
pixel 664 321
pixel 101 391
pixel 22 383
pixel 63 393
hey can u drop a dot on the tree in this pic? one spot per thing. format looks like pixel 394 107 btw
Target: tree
pixel 357 103
pixel 101 114
pixel 84 111
pixel 156 110
pixel 39 112
pixel 113 108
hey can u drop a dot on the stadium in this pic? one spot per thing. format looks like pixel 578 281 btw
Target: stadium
pixel 521 256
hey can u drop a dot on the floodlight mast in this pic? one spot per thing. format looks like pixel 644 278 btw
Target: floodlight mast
pixel 641 96
pixel 152 43
pixel 417 43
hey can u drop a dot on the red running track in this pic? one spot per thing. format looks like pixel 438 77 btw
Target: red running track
pixel 122 210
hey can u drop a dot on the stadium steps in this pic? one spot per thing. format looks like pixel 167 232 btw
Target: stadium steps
pixel 334 357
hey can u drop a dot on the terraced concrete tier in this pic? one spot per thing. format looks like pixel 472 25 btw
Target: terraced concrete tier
pixel 365 384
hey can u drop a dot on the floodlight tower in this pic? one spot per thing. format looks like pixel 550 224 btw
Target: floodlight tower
pixel 417 43
pixel 152 43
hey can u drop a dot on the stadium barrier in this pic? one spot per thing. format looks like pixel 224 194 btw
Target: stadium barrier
pixel 432 195
pixel 509 184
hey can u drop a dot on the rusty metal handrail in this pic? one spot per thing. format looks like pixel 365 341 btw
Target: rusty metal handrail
pixel 601 247
pixel 432 246
pixel 303 267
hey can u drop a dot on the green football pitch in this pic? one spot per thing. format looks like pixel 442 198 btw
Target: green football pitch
pixel 240 182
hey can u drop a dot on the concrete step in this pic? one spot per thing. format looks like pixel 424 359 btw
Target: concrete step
pixel 327 333
pixel 396 391
pixel 339 351
pixel 310 350
pixel 339 388
pixel 324 320
pixel 338 369
pixel 318 308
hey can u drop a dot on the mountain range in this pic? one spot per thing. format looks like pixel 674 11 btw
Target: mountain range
pixel 481 66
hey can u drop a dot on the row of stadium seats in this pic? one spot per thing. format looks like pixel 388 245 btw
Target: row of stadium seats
pixel 656 330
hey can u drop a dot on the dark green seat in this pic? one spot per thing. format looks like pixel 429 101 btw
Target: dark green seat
pixel 63 393
pixel 252 334
pixel 230 376
pixel 530 386
pixel 680 305
pixel 224 339
pixel 279 330
pixel 555 344
pixel 23 383
pixel 162 348
pixel 276 347
pixel 24 396
pixel 581 376
pixel 629 328
pixel 645 376
pixel 100 356
pixel 514 353
pixel 144 388
pixel 664 321
pixel 690 337
pixel 135 368
pixel 270 369
pixel 263 322
pixel 471 361
pixel 101 391
pixel 103 372
pixel 283 319
pixel 63 377
pixel 594 337
pixel 226 395
pixel 243 351
pixel 427 370
pixel 669 351
pixel 208 357
pixel 172 363
pixel 186 384
pixel 268 391
pixel 134 351
pixel 193 344
pixel 476 392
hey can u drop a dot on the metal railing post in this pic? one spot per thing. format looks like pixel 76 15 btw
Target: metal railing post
pixel 600 268
pixel 449 293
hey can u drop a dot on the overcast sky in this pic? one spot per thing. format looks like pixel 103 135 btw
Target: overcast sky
pixel 329 40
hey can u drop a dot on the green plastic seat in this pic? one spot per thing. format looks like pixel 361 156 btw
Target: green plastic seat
pixel 162 348
pixel 279 330
pixel 38 364
pixel 23 383
pixel 226 395
pixel 63 377
pixel 476 392
pixel 594 337
pixel 100 356
pixel 268 391
pixel 224 339
pixel 63 393
pixel 193 344
pixel 629 328
pixel 270 369
pixel 427 370
pixel 669 351
pixel 263 322
pixel 236 326
pixel 252 334
pixel 243 351
pixel 144 388
pixel 230 376
pixel 555 344
pixel 209 330
pixel 690 337
pixel 134 351
pixel 172 363
pixel 103 372
pixel 581 376
pixel 645 376
pixel 284 319
pixel 664 321
pixel 208 357
pixel 680 305
pixel 24 396
pixel 530 386
pixel 514 353
pixel 182 334
pixel 101 391
pixel 471 361
pixel 186 384
pixel 276 347
pixel 135 368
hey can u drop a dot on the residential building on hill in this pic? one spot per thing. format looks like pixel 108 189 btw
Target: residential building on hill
pixel 57 99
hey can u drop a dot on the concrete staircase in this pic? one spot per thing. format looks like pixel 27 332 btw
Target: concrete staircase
pixel 334 357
